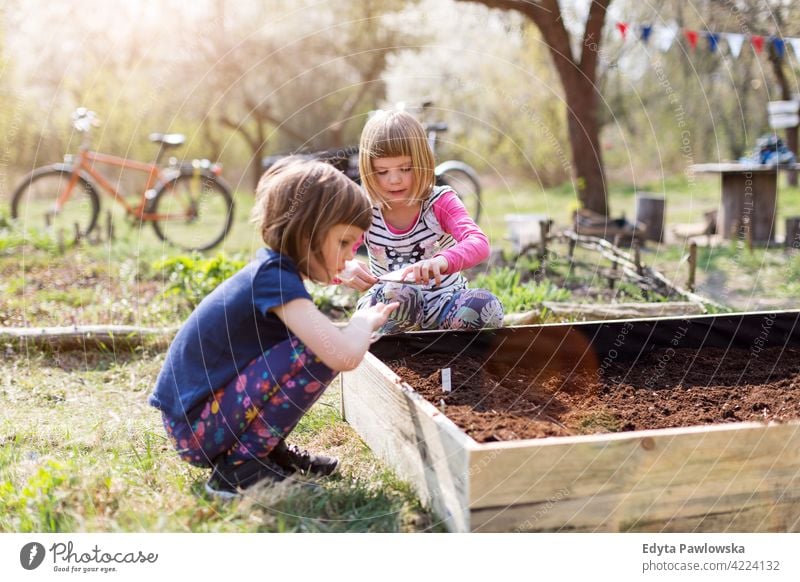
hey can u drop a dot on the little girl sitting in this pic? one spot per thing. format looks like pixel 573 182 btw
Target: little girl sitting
pixel 420 233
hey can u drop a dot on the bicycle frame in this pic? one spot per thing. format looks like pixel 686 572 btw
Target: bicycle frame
pixel 85 163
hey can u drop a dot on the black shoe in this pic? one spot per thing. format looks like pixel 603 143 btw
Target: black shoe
pixel 226 480
pixel 291 459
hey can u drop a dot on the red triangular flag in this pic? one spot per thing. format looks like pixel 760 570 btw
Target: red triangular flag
pixel 758 42
pixel 691 36
pixel 623 28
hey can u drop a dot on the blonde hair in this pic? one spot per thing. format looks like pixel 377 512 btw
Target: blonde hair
pixel 391 134
pixel 297 203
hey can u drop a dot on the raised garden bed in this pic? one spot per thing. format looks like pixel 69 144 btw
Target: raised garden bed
pixel 691 423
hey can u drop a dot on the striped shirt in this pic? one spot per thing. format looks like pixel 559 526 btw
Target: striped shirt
pixel 444 228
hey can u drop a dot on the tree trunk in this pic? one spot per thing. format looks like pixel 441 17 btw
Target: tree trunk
pixel 256 143
pixel 258 146
pixel 578 76
pixel 584 139
pixel 786 95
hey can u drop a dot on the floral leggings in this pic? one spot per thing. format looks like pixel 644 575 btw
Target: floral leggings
pixel 464 309
pixel 248 417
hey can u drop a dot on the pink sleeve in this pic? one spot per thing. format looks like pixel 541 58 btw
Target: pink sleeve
pixel 473 245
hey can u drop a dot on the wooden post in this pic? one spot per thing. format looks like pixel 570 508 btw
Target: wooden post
pixel 77 233
pixel 792 241
pixel 650 211
pixel 571 249
pixel 749 194
pixel 733 234
pixel 692 265
pixel 612 279
pixel 544 229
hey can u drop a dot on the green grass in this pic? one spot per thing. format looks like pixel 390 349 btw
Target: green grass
pixel 82 451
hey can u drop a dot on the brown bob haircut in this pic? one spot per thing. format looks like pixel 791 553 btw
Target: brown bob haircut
pixel 393 134
pixel 298 202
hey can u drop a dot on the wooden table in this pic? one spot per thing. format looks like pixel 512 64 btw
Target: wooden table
pixel 749 199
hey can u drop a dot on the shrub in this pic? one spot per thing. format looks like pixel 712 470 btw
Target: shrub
pixel 192 277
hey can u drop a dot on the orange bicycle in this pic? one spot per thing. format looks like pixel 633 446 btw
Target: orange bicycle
pixel 188 204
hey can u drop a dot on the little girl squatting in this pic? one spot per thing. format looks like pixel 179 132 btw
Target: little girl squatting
pixel 256 353
pixel 419 230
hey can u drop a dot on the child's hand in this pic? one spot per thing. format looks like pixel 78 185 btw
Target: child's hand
pixel 424 271
pixel 356 276
pixel 376 315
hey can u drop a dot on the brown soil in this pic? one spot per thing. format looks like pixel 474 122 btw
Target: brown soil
pixel 667 388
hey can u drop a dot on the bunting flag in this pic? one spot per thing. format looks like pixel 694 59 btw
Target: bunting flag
pixel 779 45
pixel 713 41
pixel 663 37
pixel 691 37
pixel 735 42
pixel 758 42
pixel 646 31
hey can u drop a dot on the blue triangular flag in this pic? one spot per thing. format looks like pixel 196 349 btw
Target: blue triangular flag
pixel 780 46
pixel 646 31
pixel 713 41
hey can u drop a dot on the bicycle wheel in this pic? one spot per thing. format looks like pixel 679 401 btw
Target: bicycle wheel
pixel 195 212
pixel 33 202
pixel 466 186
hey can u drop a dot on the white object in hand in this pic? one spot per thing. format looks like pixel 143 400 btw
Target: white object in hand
pixel 350 270
pixel 394 277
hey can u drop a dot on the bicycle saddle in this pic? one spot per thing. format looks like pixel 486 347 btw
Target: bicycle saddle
pixel 168 139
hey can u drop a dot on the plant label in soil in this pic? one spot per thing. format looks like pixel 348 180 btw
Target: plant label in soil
pixel 446 385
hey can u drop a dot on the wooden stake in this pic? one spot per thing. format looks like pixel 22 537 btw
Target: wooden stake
pixel 544 231
pixel 692 265
pixel 109 226
pixel 614 265
pixel 637 257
